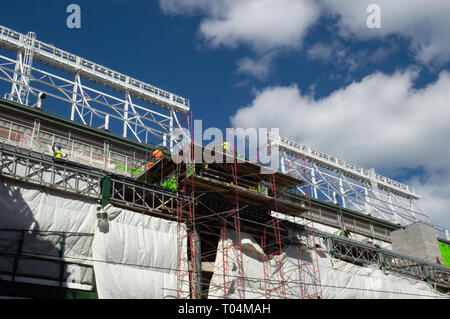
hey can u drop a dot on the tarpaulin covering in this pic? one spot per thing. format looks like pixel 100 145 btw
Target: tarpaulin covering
pixel 333 279
pixel 43 227
pixel 136 257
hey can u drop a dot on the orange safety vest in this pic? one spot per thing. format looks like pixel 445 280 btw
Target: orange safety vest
pixel 150 164
pixel 157 154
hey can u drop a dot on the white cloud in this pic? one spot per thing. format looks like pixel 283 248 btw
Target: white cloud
pixel 435 193
pixel 379 122
pixel 186 6
pixel 258 68
pixel 426 23
pixel 262 24
pixel 320 51
pixel 265 25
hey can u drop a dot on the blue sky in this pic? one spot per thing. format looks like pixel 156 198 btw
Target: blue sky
pixel 376 97
pixel 137 38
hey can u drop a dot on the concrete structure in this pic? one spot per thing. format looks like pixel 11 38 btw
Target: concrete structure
pixel 417 240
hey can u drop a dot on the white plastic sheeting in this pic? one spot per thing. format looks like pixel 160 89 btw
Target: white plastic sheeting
pixel 43 214
pixel 263 278
pixel 338 279
pixel 252 266
pixel 342 280
pixel 137 257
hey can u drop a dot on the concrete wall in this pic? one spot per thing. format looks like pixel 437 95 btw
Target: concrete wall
pixel 417 240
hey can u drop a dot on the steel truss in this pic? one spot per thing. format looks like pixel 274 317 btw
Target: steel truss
pixel 39 169
pixel 367 254
pixel 142 197
pixel 35 168
pixel 339 182
pixel 91 106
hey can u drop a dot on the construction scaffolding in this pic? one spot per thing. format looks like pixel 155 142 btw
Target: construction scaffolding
pixel 308 264
pixel 185 169
pixel 273 256
pixel 307 258
pixel 234 214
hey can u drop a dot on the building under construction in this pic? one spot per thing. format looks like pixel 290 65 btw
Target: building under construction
pixel 108 219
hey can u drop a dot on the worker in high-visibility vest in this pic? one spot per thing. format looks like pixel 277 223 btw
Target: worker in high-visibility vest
pixel 226 146
pixel 57 151
pixel 344 233
pixel 157 154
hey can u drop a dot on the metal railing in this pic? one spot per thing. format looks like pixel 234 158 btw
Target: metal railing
pixel 41 141
pixel 387 260
pixel 39 169
pixel 45 257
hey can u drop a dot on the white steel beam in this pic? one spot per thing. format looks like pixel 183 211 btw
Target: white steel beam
pixel 359 189
pixel 344 167
pixel 76 64
pixel 85 101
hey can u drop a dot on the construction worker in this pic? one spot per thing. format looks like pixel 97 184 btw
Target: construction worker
pixel 226 146
pixel 57 151
pixel 157 154
pixel 344 233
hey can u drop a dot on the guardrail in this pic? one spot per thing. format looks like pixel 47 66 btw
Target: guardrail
pixel 362 253
pixel 40 169
pixel 42 257
pixel 26 137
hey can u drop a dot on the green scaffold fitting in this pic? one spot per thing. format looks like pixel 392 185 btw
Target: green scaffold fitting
pixel 106 190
